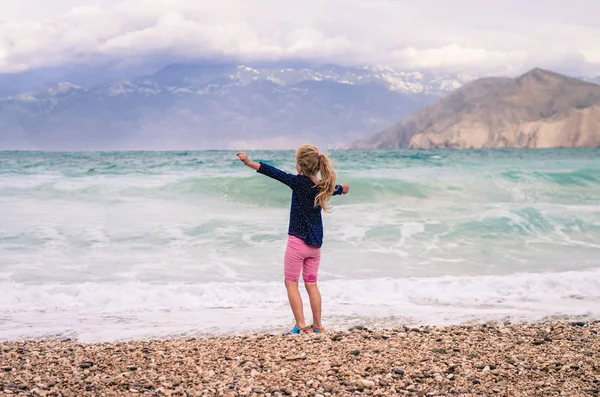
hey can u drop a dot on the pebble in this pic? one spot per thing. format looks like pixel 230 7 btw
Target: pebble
pixel 358 328
pixel 474 360
pixel 367 384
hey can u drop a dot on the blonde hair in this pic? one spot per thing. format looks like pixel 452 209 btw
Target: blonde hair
pixel 313 163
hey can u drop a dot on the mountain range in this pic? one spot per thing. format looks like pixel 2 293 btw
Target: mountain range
pixel 539 109
pixel 219 106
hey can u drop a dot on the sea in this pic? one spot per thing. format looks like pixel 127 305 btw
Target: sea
pixel 107 246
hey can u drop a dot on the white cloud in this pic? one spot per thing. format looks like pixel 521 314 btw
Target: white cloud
pixel 455 56
pixel 489 37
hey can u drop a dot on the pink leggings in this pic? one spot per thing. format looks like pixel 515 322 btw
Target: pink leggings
pixel 301 257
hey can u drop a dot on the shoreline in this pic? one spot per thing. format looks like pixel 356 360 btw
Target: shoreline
pixel 549 357
pixel 375 324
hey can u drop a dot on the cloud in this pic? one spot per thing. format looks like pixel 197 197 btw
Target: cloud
pixel 487 37
pixel 456 57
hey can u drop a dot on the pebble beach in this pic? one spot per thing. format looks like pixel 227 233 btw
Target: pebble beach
pixel 546 358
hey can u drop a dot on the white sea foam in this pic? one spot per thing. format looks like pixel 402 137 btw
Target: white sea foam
pixel 158 307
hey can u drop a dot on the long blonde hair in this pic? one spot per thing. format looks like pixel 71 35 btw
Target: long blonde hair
pixel 313 163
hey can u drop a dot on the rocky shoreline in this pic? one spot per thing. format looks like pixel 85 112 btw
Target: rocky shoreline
pixel 537 359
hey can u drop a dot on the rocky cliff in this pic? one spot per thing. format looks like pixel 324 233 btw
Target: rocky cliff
pixel 539 109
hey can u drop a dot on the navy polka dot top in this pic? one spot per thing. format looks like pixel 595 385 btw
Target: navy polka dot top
pixel 305 218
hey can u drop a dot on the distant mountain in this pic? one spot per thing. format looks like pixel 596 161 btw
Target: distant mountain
pixel 33 80
pixel 216 106
pixel 404 82
pixel 539 109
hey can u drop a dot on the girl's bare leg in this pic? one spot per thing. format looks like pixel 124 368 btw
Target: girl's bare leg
pixel 314 296
pixel 296 302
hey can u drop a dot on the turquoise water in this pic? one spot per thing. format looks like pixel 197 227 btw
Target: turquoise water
pixel 146 244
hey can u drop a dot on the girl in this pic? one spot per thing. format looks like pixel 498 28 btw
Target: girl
pixel 305 234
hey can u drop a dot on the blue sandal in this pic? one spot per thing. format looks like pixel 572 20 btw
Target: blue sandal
pixel 296 330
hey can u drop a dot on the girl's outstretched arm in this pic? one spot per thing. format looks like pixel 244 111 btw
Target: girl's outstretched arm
pixel 244 158
pixel 270 171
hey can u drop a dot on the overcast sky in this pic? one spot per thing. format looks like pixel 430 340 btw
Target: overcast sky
pixel 476 36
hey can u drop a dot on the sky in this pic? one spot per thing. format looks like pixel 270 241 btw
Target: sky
pixel 474 36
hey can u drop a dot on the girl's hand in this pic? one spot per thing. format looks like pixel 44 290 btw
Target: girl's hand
pixel 243 157
pixel 345 188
